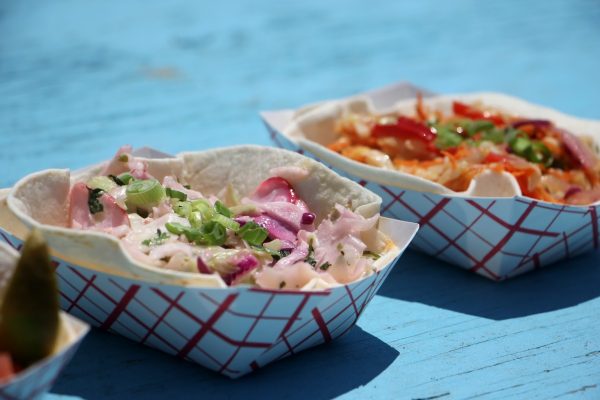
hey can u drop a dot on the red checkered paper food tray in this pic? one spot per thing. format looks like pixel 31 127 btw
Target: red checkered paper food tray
pixel 38 378
pixel 497 237
pixel 232 331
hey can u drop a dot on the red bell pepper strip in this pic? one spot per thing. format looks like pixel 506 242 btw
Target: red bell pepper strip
pixel 404 128
pixel 465 110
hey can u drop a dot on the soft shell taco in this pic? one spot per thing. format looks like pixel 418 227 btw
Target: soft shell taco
pixel 241 215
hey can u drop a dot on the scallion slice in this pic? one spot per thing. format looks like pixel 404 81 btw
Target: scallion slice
pixel 144 193
pixel 176 194
pixel 101 182
pixel 226 222
pixel 253 233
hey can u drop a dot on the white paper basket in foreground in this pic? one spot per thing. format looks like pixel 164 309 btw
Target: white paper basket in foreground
pixel 231 330
pixel 496 236
pixel 38 378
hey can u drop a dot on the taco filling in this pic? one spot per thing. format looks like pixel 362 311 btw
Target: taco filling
pixel 269 238
pixel 548 162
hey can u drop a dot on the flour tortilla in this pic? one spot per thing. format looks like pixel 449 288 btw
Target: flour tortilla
pixel 312 128
pixel 41 200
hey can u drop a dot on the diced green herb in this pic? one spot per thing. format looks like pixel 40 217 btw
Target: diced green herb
pixel 93 200
pixel 159 238
pixel 117 180
pixel 176 194
pixel 310 257
pixel 372 255
pixel 253 233
pixel 325 266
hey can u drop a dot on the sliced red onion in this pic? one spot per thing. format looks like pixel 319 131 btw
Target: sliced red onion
pixel 276 229
pixel 202 267
pixel 244 265
pixel 308 218
pixel 538 123
pixel 571 191
pixel 275 189
pixel 583 154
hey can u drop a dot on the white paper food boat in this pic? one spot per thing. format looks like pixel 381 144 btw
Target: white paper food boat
pixel 231 330
pixel 491 228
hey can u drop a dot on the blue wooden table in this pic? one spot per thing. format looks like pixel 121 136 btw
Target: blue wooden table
pixel 78 79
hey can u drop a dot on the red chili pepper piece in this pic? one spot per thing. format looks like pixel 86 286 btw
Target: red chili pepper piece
pixel 404 128
pixel 465 110
pixel 494 158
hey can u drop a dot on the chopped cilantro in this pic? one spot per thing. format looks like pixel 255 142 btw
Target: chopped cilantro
pixel 325 266
pixel 93 200
pixel 310 258
pixel 159 238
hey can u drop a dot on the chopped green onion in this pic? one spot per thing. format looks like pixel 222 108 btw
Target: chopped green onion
pixel 126 178
pixel 222 209
pixel 204 207
pixel 101 182
pixel 253 233
pixel 479 125
pixel 226 222
pixel 183 209
pixel 195 218
pixel 176 228
pixel 176 194
pixel 144 193
pixel 212 233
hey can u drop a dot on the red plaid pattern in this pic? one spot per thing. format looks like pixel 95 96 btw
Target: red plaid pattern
pixel 232 331
pixel 497 238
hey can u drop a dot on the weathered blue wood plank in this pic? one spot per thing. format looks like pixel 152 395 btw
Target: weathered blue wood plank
pixel 78 79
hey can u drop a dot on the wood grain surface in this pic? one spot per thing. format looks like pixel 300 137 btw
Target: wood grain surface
pixel 78 79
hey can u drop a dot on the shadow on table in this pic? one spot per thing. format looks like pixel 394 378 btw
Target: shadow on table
pixel 111 367
pixel 420 278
